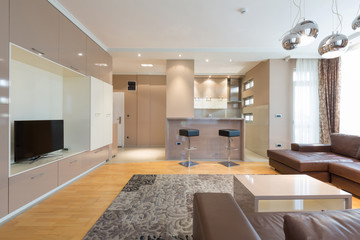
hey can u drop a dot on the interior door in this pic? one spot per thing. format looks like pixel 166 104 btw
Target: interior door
pixel 119 115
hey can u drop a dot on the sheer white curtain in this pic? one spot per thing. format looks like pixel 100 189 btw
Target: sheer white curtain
pixel 306 101
pixel 350 93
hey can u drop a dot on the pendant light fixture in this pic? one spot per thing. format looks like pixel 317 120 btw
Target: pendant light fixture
pixel 335 44
pixel 302 34
pixel 356 23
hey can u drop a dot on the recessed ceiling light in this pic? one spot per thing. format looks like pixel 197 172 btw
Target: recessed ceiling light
pixel 206 60
pixel 230 60
pixel 146 65
pixel 179 55
pixel 101 64
pixel 139 54
pixel 80 54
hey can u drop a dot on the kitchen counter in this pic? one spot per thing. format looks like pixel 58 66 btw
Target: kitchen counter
pixel 209 144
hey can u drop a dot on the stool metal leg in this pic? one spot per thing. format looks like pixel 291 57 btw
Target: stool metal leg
pixel 189 163
pixel 229 163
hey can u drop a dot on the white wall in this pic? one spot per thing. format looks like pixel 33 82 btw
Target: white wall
pixel 39 93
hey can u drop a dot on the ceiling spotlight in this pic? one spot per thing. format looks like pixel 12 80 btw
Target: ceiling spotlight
pixel 139 54
pixel 291 41
pixel 179 55
pixel 308 31
pixel 206 60
pixel 333 46
pixel 80 54
pixel 356 23
pixel 146 65
pixel 243 10
pixel 230 60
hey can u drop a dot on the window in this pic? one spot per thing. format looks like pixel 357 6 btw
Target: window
pixel 349 96
pixel 306 102
pixel 248 117
pixel 249 101
pixel 249 84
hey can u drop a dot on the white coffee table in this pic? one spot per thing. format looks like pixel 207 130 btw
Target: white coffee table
pixel 280 193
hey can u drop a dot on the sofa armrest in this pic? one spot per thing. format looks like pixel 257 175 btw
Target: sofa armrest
pixel 311 147
pixel 217 216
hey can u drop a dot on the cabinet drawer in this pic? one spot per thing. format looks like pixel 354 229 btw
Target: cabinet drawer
pixel 69 168
pixel 25 187
pixel 95 157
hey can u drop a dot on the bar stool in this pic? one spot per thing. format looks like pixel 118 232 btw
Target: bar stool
pixel 229 133
pixel 189 133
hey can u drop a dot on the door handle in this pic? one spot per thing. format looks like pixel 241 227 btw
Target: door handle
pixel 119 120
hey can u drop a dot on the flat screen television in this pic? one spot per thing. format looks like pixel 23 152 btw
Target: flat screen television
pixel 35 138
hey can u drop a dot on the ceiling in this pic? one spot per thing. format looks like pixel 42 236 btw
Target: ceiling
pixel 215 30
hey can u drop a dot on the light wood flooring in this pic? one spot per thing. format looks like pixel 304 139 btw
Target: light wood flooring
pixel 71 212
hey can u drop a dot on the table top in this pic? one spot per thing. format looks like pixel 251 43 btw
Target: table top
pixel 293 186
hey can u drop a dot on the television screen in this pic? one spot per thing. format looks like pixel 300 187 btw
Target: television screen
pixel 35 138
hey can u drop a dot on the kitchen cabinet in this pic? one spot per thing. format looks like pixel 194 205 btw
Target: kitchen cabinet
pixel 95 65
pixel 99 62
pixel 69 168
pixel 4 107
pixel 34 25
pixel 28 186
pixel 72 46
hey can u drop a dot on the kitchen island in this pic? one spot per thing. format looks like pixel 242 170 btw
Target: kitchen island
pixel 209 144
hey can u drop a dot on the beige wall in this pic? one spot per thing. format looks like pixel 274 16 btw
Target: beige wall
pixel 257 132
pixel 260 91
pixel 280 129
pixel 180 88
pixel 145 108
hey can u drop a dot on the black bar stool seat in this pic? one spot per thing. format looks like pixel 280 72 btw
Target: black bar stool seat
pixel 229 133
pixel 189 133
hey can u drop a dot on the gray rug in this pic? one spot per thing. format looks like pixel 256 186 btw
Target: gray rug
pixel 156 207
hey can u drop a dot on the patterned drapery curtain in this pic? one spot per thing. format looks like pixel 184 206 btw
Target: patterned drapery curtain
pixel 329 98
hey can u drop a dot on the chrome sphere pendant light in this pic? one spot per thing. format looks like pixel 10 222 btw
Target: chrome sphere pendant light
pixel 291 41
pixel 308 31
pixel 302 34
pixel 335 44
pixel 356 23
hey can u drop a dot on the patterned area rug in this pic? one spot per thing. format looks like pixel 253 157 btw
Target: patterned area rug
pixel 156 207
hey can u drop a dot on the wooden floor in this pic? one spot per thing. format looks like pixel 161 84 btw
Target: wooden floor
pixel 71 212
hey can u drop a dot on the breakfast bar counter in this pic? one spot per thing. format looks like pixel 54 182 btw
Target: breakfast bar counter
pixel 209 144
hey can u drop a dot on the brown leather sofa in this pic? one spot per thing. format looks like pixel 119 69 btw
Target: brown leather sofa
pixel 338 162
pixel 217 216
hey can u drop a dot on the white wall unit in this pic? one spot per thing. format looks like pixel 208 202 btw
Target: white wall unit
pixel 101 114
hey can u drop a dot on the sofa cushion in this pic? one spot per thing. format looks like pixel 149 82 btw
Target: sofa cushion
pixel 269 226
pixel 347 170
pixel 218 216
pixel 307 161
pixel 347 145
pixel 323 225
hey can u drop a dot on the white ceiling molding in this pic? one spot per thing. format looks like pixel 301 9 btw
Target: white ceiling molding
pixel 74 20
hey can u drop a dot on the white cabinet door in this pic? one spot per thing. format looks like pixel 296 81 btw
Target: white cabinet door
pixel 108 113
pixel 101 114
pixel 97 114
